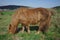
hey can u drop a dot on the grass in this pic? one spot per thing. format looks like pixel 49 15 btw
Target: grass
pixel 52 34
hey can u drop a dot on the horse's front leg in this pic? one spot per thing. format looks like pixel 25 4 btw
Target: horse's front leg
pixel 22 29
pixel 28 29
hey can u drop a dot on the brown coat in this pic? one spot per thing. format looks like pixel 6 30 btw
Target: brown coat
pixel 26 16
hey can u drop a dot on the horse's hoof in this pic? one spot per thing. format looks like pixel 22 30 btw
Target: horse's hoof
pixel 37 32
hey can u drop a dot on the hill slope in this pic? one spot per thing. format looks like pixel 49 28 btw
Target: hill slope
pixel 11 7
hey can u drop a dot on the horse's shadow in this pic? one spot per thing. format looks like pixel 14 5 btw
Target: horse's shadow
pixel 32 28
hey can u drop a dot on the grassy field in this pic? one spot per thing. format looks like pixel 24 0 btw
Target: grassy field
pixel 52 34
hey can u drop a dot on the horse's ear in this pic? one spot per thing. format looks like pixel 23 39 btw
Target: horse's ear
pixel 10 26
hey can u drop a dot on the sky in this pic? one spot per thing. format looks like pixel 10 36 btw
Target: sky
pixel 31 3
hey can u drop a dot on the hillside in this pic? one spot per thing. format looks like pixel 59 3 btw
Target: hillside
pixel 11 7
pixel 57 7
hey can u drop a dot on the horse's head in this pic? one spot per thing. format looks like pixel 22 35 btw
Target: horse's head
pixel 11 29
pixel 10 26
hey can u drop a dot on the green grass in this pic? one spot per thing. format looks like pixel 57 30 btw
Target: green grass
pixel 52 34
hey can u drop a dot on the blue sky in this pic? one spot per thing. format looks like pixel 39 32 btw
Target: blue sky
pixel 31 3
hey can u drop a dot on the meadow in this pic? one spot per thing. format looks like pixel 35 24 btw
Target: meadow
pixel 52 34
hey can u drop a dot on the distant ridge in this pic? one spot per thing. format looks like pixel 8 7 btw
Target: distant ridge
pixel 57 7
pixel 11 7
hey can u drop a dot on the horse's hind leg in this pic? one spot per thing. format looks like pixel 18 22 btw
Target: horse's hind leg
pixel 41 28
pixel 44 27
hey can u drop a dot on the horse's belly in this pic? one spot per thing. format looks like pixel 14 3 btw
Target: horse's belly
pixel 30 22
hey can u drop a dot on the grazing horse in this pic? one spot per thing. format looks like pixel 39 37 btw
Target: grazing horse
pixel 27 16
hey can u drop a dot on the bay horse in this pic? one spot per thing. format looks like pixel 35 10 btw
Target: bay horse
pixel 27 16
